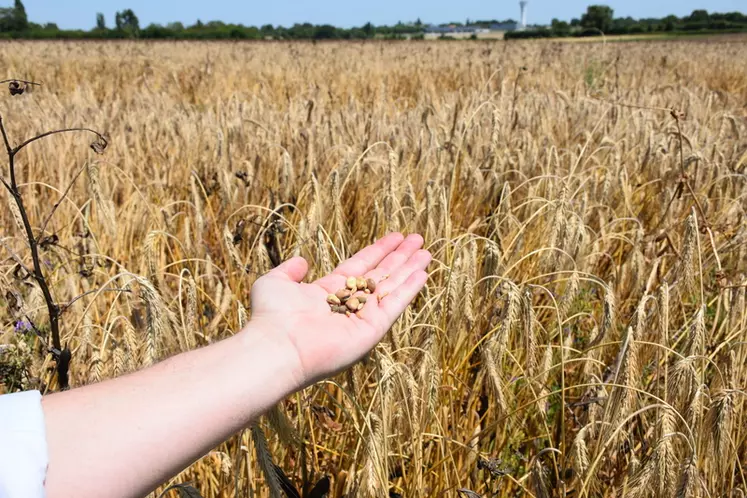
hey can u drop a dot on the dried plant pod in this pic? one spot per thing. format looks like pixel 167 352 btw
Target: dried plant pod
pixel 99 145
pixel 16 87
pixel 351 283
pixel 370 284
pixel 343 294
pixel 333 299
pixel 352 303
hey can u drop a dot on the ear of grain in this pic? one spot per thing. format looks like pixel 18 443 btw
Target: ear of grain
pixel 530 338
pixel 233 252
pixel 264 459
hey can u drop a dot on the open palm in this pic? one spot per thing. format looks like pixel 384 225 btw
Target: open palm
pixel 327 342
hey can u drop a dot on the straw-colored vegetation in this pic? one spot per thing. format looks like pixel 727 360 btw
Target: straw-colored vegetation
pixel 583 329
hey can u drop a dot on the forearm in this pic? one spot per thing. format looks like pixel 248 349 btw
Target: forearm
pixel 125 436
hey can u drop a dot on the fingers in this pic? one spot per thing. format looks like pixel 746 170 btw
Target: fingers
pixel 293 269
pixel 395 303
pixel 417 262
pixel 361 262
pixel 390 264
pixel 369 257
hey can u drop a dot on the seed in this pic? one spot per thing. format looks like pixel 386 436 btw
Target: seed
pixel 367 291
pixel 360 306
pixel 362 299
pixel 351 283
pixel 352 303
pixel 382 296
pixel 333 299
pixel 342 309
pixel 370 284
pixel 343 295
pixel 347 313
pixel 361 283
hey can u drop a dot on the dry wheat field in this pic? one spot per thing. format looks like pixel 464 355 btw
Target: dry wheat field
pixel 583 331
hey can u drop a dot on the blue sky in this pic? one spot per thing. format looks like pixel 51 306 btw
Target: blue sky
pixel 346 13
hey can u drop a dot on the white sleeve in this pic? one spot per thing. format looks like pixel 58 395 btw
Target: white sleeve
pixel 23 446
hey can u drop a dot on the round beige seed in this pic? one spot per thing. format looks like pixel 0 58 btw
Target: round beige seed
pixel 343 295
pixel 351 283
pixel 360 306
pixel 333 299
pixel 360 283
pixel 352 304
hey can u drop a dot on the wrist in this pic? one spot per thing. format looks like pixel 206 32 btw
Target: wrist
pixel 271 356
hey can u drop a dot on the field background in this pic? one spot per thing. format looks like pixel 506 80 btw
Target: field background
pixel 584 324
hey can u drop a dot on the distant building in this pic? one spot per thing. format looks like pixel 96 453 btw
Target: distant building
pixel 453 29
pixel 504 26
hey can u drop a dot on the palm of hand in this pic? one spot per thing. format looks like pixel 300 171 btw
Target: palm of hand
pixel 327 342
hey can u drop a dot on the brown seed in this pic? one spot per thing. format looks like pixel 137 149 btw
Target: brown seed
pixel 352 303
pixel 370 284
pixel 342 309
pixel 362 299
pixel 333 299
pixel 351 284
pixel 343 294
pixel 360 283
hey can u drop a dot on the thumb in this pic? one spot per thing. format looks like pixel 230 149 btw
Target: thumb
pixel 293 269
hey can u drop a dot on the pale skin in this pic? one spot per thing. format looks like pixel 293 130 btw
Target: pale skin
pixel 124 437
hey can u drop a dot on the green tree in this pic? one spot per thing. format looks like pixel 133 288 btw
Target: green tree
pixel 14 19
pixel 21 21
pixel 100 21
pixel 560 28
pixel 699 16
pixel 599 17
pixel 127 22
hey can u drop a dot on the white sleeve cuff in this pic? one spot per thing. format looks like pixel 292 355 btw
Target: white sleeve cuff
pixel 23 446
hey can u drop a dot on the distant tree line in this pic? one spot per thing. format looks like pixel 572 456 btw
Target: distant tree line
pixel 14 23
pixel 600 18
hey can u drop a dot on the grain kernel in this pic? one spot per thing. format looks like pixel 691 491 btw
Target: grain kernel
pixel 343 295
pixel 352 303
pixel 351 284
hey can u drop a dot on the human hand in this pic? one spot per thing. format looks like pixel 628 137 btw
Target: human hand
pixel 297 314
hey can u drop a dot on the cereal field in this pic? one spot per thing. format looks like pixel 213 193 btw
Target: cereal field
pixel 583 331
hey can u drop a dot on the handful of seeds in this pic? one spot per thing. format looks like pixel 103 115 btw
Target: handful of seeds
pixel 352 297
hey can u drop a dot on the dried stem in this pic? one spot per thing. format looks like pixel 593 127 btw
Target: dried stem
pixel 62 356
